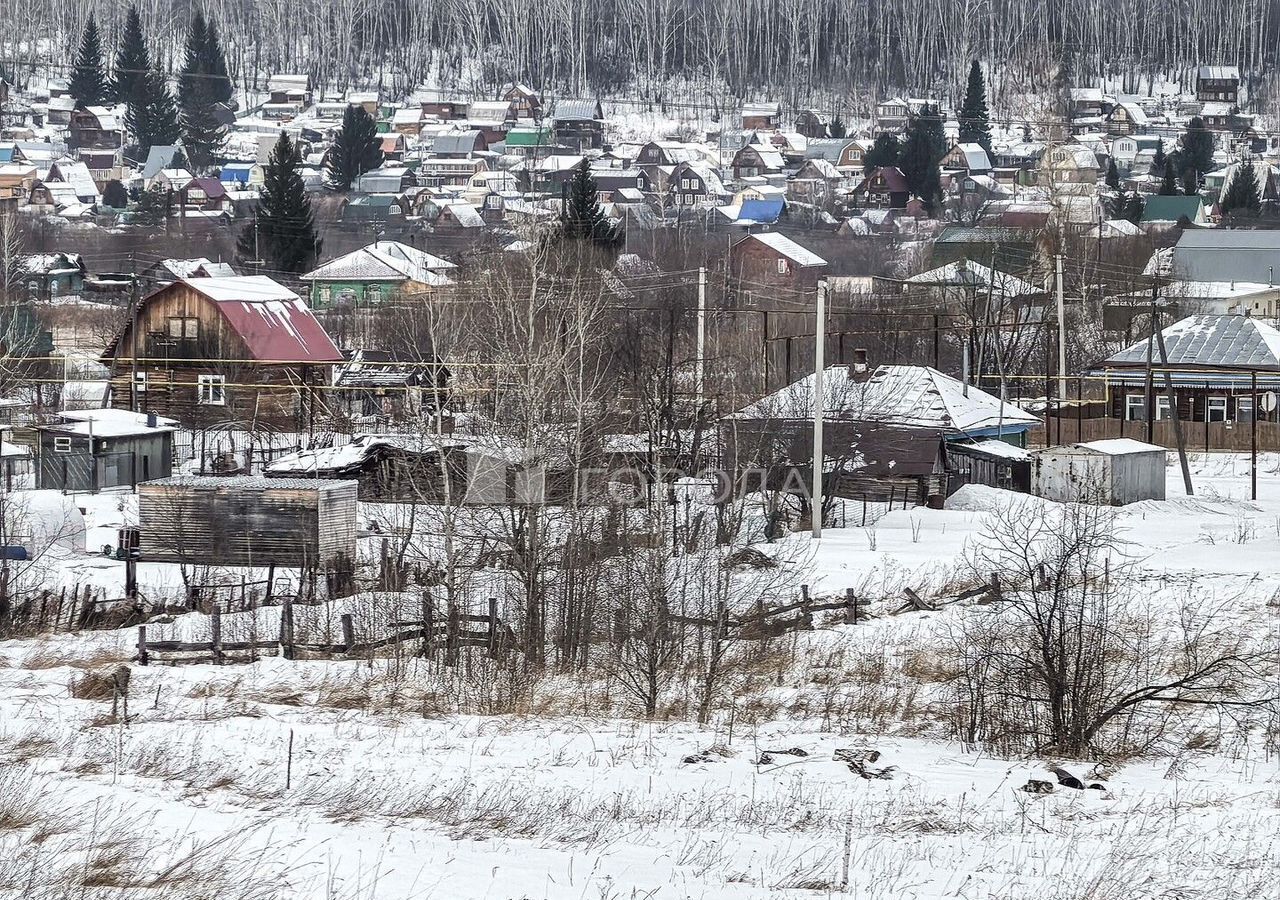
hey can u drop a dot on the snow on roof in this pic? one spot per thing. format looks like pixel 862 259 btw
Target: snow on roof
pixel 898 395
pixel 782 244
pixel 1120 447
pixel 272 320
pixel 362 446
pixel 1002 449
pixel 974 156
pixel 384 261
pixel 1211 341
pixel 1218 73
pixel 110 423
pixel 966 273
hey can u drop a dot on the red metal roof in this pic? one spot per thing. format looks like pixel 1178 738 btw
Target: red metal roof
pixel 273 322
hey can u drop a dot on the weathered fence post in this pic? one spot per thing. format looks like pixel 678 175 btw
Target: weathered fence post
pixel 428 626
pixel 286 627
pixel 804 594
pixel 215 633
pixel 271 580
pixel 348 633
pixel 142 645
pixel 493 627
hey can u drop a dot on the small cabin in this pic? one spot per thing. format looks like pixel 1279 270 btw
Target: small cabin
pixel 1107 473
pixel 102 449
pixel 248 521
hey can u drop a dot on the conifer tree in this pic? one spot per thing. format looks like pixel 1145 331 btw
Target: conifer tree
pixel 1113 175
pixel 193 62
pixel 884 152
pixel 975 121
pixel 837 128
pixel 356 148
pixel 1190 183
pixel 583 219
pixel 920 155
pixel 88 77
pixel 283 234
pixel 214 64
pixel 152 208
pixel 1241 195
pixel 1157 161
pixel 1134 207
pixel 152 115
pixel 133 61
pixel 202 83
pixel 1197 147
pixel 1169 184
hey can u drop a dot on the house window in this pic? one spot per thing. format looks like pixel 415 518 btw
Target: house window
pixel 688 199
pixel 1162 408
pixel 181 328
pixel 1244 409
pixel 140 382
pixel 324 293
pixel 62 445
pixel 1216 409
pixel 212 390
pixel 782 267
pixel 1135 407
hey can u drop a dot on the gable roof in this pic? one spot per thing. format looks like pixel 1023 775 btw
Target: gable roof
pixel 1213 342
pixel 1226 254
pixel 1170 209
pixel 900 395
pixel 576 111
pixel 966 273
pixel 384 261
pixel 782 244
pixel 159 157
pixel 765 212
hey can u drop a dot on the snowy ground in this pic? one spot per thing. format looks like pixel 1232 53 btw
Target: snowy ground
pixel 381 780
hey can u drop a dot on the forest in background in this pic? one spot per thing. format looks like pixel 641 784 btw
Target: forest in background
pixel 838 55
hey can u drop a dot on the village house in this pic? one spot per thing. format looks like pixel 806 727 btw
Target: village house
pixel 1070 169
pixel 812 124
pixel 694 184
pixel 578 125
pixel 94 127
pixel 16 182
pixel 100 449
pixel 378 273
pixel 50 275
pixel 760 116
pixel 458 144
pixel 755 160
pixel 970 158
pixel 524 101
pixel 882 188
pixel 1218 84
pixel 167 271
pixel 445 109
pixel 768 263
pixel 219 349
pixel 1127 118
pixel 846 154
pixel 439 171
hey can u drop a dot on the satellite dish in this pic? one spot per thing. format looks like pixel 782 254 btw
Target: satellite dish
pixel 1267 401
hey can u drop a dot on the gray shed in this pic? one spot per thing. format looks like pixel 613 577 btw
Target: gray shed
pixel 1111 472
pixel 248 521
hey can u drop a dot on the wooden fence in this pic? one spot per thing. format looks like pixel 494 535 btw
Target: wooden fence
pixel 428 636
pixel 1199 436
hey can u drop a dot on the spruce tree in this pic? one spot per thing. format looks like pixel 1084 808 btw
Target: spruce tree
pixel 133 61
pixel 1197 147
pixel 884 152
pixel 201 84
pixel 285 230
pixel 1157 161
pixel 152 208
pixel 583 219
pixel 919 158
pixel 356 148
pixel 193 62
pixel 837 128
pixel 214 64
pixel 975 121
pixel 1190 182
pixel 88 77
pixel 1134 207
pixel 1169 184
pixel 1241 195
pixel 152 115
pixel 1113 175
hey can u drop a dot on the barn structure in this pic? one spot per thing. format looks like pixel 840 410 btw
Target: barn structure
pixel 248 521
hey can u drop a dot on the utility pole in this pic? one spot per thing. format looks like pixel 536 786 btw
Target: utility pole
pixel 1149 394
pixel 701 369
pixel 133 352
pixel 1173 405
pixel 1253 435
pixel 819 405
pixel 1062 331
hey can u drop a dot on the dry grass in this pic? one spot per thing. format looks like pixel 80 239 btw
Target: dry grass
pixel 94 686
pixel 50 657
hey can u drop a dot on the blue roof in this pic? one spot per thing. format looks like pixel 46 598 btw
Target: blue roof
pixel 6 154
pixel 238 172
pixel 763 211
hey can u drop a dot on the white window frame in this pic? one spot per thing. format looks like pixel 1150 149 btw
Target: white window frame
pixel 1214 406
pixel 1244 409
pixel 1162 408
pixel 211 390
pixel 140 382
pixel 782 266
pixel 61 444
pixel 1135 407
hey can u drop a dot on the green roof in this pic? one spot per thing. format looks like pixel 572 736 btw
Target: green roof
pixel 529 137
pixel 1171 209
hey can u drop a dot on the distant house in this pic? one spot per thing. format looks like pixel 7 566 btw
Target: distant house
pixel 755 160
pixel 694 184
pixel 445 109
pixel 882 188
pixel 1127 118
pixel 50 275
pixel 578 124
pixel 288 95
pixel 241 348
pixel 769 262
pixel 16 181
pixel 440 171
pixel 167 271
pixel 812 124
pixel 205 193
pixel 1218 84
pixel 524 101
pixel 762 116
pixel 970 158
pixel 1226 254
pixel 1212 359
pixel 1070 169
pixel 458 144
pixel 530 141
pixel 846 154
pixel 95 127
pixel 241 176
pixel 381 272
pixel 816 182
pixel 99 449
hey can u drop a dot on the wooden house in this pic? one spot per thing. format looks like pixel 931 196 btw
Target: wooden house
pixel 445 109
pixel 94 127
pixel 1218 84
pixel 99 449
pixel 578 124
pixel 458 144
pixel 770 262
pixel 379 273
pixel 204 193
pixel 812 124
pixel 845 154
pixel 755 160
pixel 524 101
pixel 883 188
pixel 694 184
pixel 244 520
pixel 760 116
pixel 1127 118
pixel 208 349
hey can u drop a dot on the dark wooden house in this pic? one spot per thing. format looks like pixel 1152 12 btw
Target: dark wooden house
pixel 578 124
pixel 883 188
pixel 101 449
pixel 1220 84
pixel 247 520
pixel 215 349
pixel 770 262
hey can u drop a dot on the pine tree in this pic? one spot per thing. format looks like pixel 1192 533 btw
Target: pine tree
pixel 1197 147
pixel 355 150
pixel 201 84
pixel 190 78
pixel 1133 208
pixel 884 152
pixel 837 128
pixel 133 61
pixel 1169 184
pixel 214 64
pixel 1157 161
pixel 920 155
pixel 1113 175
pixel 285 230
pixel 152 115
pixel 1190 182
pixel 152 208
pixel 583 219
pixel 88 77
pixel 1241 195
pixel 975 121
pixel 929 122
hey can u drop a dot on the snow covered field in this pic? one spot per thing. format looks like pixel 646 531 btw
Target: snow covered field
pixel 385 779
